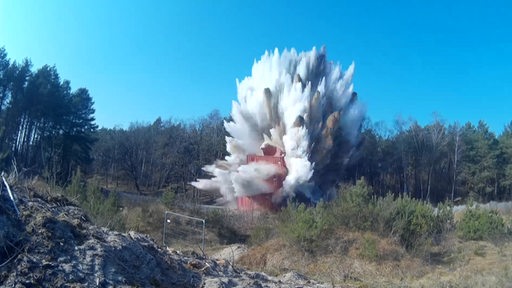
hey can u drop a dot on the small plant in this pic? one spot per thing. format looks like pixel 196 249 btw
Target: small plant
pixel 479 224
pixel 102 209
pixel 220 222
pixel 168 197
pixel 414 221
pixel 358 195
pixel 305 226
pixel 508 228
pixel 444 217
pixel 351 208
pixel 479 251
pixel 261 233
pixel 381 214
pixel 369 249
pixel 75 190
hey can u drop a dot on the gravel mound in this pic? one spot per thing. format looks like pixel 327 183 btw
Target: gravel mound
pixel 53 244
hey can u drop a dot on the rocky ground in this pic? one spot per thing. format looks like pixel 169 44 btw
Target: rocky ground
pixel 52 243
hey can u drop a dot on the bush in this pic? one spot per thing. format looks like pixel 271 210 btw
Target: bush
pixel 305 226
pixel 102 209
pixel 480 224
pixel 75 190
pixel 414 222
pixel 356 196
pixel 352 207
pixel 369 250
pixel 381 212
pixel 222 223
pixel 168 197
pixel 261 233
pixel 444 218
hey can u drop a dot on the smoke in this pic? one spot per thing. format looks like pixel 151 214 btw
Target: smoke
pixel 302 104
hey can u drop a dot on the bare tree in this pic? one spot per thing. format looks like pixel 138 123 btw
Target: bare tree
pixel 437 135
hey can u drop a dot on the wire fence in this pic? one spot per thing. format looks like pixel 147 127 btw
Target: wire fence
pixel 184 232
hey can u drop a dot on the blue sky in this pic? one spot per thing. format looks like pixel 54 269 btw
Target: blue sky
pixel 179 59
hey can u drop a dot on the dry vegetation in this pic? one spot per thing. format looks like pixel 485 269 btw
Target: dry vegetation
pixel 362 252
pixel 361 248
pixel 350 261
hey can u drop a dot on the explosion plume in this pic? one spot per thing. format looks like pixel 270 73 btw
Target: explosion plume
pixel 296 108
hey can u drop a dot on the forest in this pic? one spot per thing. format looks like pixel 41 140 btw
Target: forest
pixel 48 130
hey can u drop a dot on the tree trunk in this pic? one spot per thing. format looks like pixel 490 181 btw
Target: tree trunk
pixel 429 181
pixel 455 160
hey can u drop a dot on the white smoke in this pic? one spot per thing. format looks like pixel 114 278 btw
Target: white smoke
pixel 302 104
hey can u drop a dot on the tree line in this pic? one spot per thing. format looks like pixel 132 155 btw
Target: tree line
pixel 46 128
pixel 163 154
pixel 436 162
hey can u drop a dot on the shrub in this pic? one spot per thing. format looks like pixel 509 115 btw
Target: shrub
pixel 261 233
pixel 369 249
pixel 75 189
pixel 480 224
pixel 381 212
pixel 356 196
pixel 352 207
pixel 444 218
pixel 305 226
pixel 221 223
pixel 168 197
pixel 414 221
pixel 102 209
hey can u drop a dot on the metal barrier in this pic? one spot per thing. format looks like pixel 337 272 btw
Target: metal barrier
pixel 10 195
pixel 183 231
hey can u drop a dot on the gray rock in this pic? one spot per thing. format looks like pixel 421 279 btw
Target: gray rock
pixel 53 244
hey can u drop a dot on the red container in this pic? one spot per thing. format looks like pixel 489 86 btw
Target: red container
pixel 273 155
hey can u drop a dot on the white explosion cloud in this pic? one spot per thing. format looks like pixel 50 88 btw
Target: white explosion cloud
pixel 305 106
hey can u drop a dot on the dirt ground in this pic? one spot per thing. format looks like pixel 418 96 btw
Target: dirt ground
pixel 52 243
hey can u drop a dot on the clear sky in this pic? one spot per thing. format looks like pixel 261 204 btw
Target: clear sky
pixel 179 59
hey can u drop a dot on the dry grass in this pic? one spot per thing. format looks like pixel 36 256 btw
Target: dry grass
pixel 353 259
pixel 479 264
pixel 454 264
pixel 145 218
